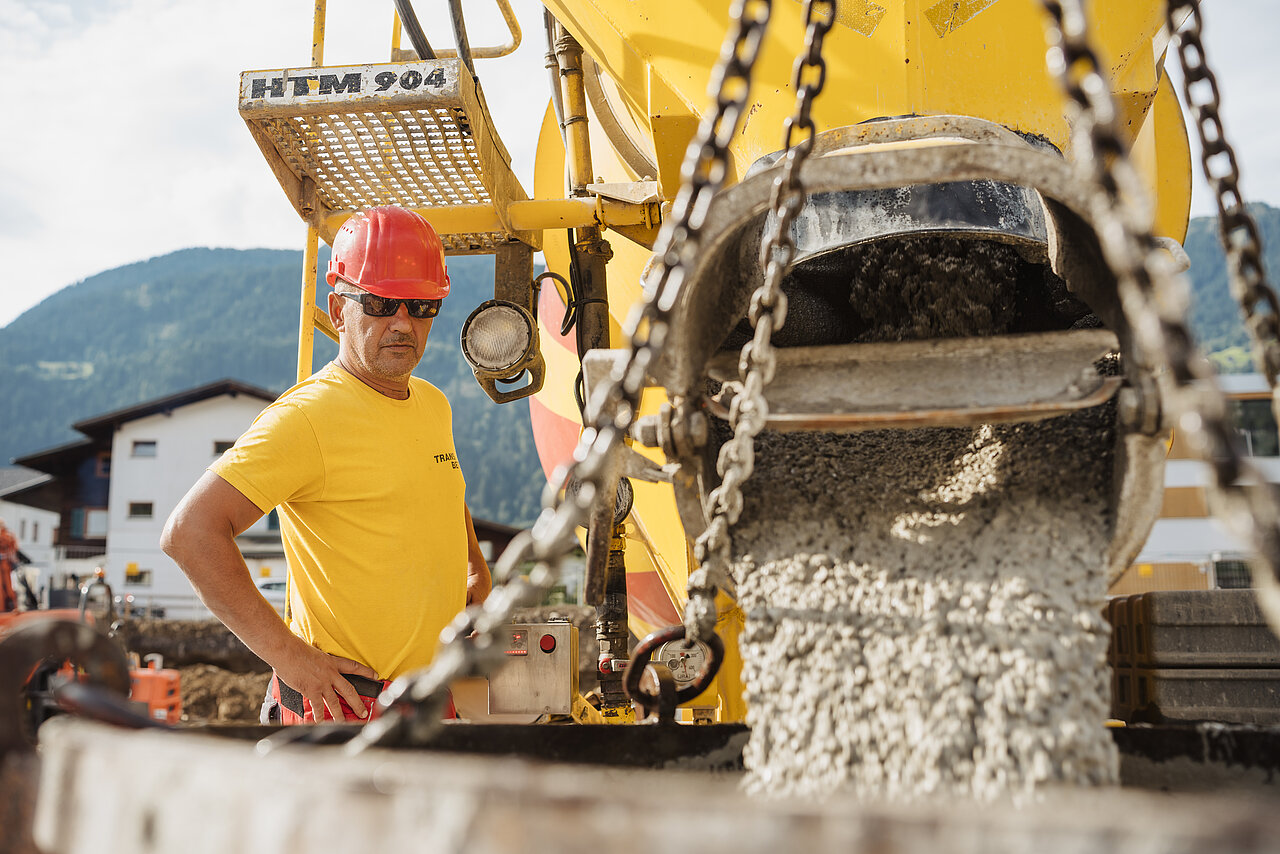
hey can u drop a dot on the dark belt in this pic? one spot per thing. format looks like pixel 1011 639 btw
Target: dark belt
pixel 292 700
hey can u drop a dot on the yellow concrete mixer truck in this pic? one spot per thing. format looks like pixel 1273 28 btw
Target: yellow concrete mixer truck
pixel 852 366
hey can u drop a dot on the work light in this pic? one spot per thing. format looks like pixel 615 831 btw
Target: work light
pixel 500 342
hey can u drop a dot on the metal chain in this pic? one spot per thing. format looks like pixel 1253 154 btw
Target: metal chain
pixel 757 362
pixel 1152 297
pixel 469 645
pixel 1236 226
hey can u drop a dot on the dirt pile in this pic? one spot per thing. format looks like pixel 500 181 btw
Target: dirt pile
pixel 211 694
pixel 185 642
pixel 223 682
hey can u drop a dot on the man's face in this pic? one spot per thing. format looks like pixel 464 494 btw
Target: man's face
pixel 386 348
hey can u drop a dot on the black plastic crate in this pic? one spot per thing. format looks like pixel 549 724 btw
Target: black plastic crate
pixel 1200 628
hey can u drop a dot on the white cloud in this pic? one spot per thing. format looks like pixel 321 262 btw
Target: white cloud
pixel 122 140
pixel 1239 40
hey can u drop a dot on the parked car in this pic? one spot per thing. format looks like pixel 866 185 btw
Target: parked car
pixel 128 606
pixel 275 591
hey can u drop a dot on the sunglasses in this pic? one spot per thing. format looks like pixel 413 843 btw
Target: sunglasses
pixel 376 306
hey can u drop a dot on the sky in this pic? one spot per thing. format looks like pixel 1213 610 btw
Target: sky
pixel 122 139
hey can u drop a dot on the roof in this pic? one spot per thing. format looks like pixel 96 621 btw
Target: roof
pixel 30 488
pixel 494 528
pixel 108 422
pixel 17 478
pixel 59 458
pixel 100 428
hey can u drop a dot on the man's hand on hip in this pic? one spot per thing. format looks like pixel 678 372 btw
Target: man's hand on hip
pixel 317 676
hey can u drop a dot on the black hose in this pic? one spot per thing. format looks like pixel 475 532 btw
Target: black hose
pixel 411 26
pixel 460 35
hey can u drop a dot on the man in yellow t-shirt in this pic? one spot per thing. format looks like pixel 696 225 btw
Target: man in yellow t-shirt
pixel 359 459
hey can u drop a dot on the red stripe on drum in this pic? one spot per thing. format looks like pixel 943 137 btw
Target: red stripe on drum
pixel 647 600
pixel 551 314
pixel 554 436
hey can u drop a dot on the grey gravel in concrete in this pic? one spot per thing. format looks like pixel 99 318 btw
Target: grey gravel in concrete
pixel 923 610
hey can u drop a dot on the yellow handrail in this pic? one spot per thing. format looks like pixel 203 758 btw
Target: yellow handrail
pixel 513 27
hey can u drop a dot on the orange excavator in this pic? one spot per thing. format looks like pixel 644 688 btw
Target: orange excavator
pixel 65 663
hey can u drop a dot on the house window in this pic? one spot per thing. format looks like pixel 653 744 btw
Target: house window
pixel 138 578
pixel 1256 427
pixel 103 466
pixel 273 520
pixel 88 522
pixel 144 447
pixel 95 523
pixel 22 529
pixel 221 447
pixel 141 510
pixel 35 532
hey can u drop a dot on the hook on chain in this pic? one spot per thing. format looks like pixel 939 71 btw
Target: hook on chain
pixel 663 701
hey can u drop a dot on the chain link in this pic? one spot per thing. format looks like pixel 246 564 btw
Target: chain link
pixel 469 645
pixel 1151 295
pixel 748 410
pixel 1236 226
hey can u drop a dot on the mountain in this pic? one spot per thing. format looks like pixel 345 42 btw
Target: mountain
pixel 198 315
pixel 1215 317
pixel 191 317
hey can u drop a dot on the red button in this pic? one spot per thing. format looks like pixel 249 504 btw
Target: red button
pixel 548 643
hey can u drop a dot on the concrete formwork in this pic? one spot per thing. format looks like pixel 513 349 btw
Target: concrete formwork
pixel 105 790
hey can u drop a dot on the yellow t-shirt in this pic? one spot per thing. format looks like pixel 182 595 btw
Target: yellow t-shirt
pixel 371 503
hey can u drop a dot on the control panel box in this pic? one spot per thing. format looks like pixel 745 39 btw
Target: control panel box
pixel 541 671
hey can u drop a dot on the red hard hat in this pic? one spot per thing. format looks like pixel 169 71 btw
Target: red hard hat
pixel 391 252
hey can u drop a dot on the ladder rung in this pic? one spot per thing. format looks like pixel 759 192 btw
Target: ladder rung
pixel 321 319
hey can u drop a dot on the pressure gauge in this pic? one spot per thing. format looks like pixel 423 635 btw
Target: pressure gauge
pixel 685 660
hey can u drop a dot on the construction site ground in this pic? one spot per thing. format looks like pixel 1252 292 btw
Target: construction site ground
pixel 223 682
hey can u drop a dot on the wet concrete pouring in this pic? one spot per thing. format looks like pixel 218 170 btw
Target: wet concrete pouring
pixel 923 610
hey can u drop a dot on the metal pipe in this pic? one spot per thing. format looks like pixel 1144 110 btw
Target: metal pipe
pixel 578 149
pixel 590 252
pixel 613 631
pixel 487 52
pixel 599 529
pixel 553 66
pixel 307 300
pixel 417 38
pixel 306 319
pixel 460 35
pixel 581 212
pixel 317 34
pixel 513 27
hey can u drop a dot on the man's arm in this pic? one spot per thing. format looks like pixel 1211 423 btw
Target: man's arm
pixel 478 581
pixel 200 537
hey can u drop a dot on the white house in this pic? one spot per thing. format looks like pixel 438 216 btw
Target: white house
pixel 103 500
pixel 114 490
pixel 33 527
pixel 155 458
pixel 1188 548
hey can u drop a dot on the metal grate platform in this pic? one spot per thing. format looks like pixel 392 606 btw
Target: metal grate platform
pixel 413 134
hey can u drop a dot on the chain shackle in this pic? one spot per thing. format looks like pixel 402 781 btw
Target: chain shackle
pixel 642 654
